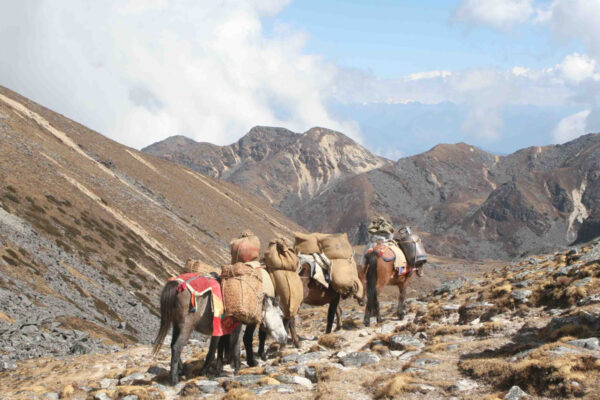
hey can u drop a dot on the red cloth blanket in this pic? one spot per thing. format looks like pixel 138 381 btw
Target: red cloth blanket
pixel 197 284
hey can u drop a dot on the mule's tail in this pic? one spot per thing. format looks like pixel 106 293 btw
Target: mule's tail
pixel 168 302
pixel 371 262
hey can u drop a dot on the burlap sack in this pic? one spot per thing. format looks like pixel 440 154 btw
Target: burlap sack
pixel 288 286
pixel 268 286
pixel 242 289
pixel 199 266
pixel 360 289
pixel 344 276
pixel 335 246
pixel 306 243
pixel 280 256
pixel 245 248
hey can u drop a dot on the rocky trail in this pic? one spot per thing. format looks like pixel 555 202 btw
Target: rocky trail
pixel 526 330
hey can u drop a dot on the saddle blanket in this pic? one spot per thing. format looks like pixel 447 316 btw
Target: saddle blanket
pixel 198 284
pixel 319 267
pixel 390 252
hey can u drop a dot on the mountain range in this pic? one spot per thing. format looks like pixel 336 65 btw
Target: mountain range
pixel 466 202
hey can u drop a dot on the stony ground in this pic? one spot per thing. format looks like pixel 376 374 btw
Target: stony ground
pixel 526 330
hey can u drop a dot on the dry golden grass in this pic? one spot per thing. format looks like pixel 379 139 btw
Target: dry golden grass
pixel 332 341
pixel 501 290
pixel 394 386
pixel 252 371
pixel 239 394
pixel 542 373
pixel 489 328
pixel 445 330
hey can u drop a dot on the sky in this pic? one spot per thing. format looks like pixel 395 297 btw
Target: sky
pixel 397 76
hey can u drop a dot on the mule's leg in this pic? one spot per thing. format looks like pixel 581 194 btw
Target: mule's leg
pixel 338 318
pixel 174 336
pixel 401 300
pixel 248 335
pixel 367 319
pixel 177 344
pixel 212 349
pixel 293 333
pixel 371 266
pixel 234 346
pixel 262 338
pixel 377 311
pixel 223 353
pixel 331 312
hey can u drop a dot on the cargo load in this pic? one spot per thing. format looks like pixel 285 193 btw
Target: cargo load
pixel 282 264
pixel 245 248
pixel 198 266
pixel 380 227
pixel 343 272
pixel 336 246
pixel 306 243
pixel 280 256
pixel 412 247
pixel 243 292
pixel 289 289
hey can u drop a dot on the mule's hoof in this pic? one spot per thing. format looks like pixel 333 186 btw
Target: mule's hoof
pixel 252 363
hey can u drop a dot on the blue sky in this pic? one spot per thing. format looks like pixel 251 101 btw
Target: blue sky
pixel 393 38
pixel 397 76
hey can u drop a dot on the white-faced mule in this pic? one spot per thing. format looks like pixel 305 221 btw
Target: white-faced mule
pixel 272 324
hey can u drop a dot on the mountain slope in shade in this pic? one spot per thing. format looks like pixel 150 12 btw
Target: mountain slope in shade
pixel 90 230
pixel 284 167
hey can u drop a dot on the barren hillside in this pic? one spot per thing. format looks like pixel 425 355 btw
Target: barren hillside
pixel 90 230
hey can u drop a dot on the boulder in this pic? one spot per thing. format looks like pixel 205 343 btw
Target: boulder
pixel 359 358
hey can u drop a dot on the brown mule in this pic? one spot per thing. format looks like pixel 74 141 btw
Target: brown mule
pixel 318 295
pixel 378 273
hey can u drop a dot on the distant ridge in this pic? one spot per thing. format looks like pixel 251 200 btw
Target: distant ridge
pixel 466 201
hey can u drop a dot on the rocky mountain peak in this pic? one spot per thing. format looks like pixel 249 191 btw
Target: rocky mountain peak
pixel 277 164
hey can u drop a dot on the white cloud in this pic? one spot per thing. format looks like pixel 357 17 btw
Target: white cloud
pixel 147 69
pixel 571 127
pixel 577 68
pixel 576 19
pixel 500 14
pixel 428 75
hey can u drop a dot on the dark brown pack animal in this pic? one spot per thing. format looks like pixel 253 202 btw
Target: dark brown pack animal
pixel 376 274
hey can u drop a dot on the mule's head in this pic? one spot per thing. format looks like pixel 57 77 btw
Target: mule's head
pixel 272 318
pixel 420 269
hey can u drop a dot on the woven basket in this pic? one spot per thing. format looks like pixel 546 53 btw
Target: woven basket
pixel 242 292
pixel 199 266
